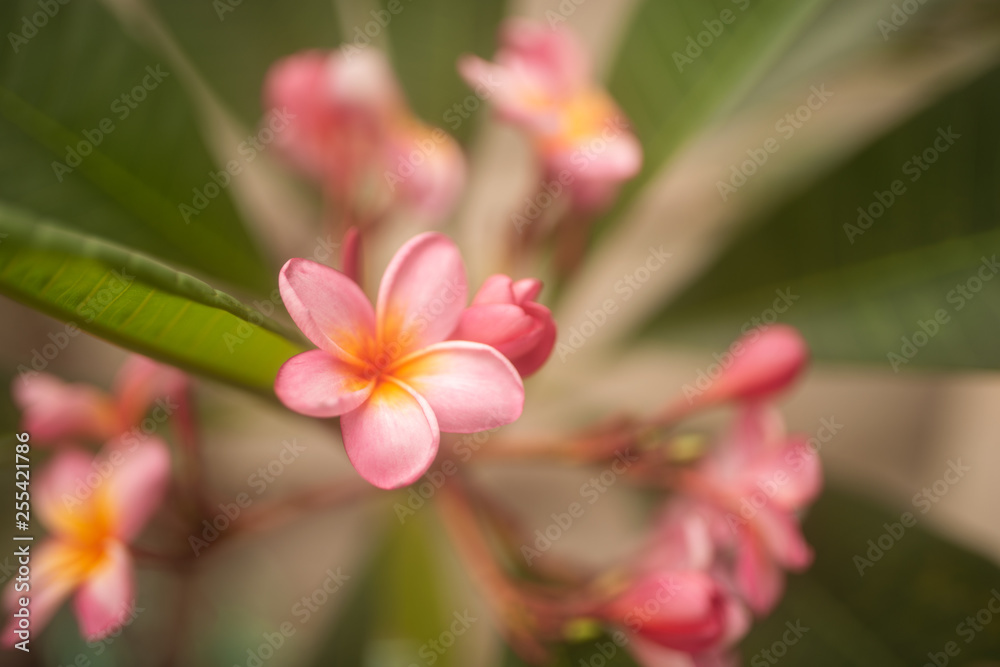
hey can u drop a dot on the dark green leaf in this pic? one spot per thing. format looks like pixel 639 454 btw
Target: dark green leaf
pixel 912 599
pixel 427 37
pixel 670 89
pixel 233 44
pixel 97 133
pixel 921 269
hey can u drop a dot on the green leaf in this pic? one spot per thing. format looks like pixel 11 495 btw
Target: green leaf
pixel 427 37
pixel 913 598
pixel 233 45
pixel 397 608
pixel 670 90
pixel 98 134
pixel 138 303
pixel 921 269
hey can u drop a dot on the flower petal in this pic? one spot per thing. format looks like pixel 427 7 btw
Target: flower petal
pixel 527 364
pixel 423 293
pixel 434 185
pixel 55 573
pixel 782 537
pixel 498 288
pixel 329 308
pixel 54 409
pixel 318 384
pixel 140 381
pixel 104 601
pixel 393 437
pixel 470 386
pixel 64 495
pixel 764 362
pixel 760 580
pixel 495 324
pixel 137 484
pixel 526 289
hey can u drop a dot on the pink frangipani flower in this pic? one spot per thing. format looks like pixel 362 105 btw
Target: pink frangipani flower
pixel 756 480
pixel 54 410
pixel 675 610
pixel 92 508
pixel 351 131
pixel 542 82
pixel 504 315
pixel 387 371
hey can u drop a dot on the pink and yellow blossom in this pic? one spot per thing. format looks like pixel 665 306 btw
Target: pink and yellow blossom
pixel 389 372
pixel 54 411
pixel 541 80
pixel 352 132
pixel 92 508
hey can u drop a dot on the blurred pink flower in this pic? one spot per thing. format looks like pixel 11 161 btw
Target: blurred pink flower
pixel 765 362
pixel 756 480
pixel 387 371
pixel 351 131
pixel 92 507
pixel 675 610
pixel 504 315
pixel 542 82
pixel 54 410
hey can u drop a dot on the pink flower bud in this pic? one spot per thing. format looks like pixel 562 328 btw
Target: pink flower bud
pixel 504 315
pixel 762 363
pixel 687 611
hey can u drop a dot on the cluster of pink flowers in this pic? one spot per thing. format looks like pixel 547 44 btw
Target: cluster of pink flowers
pixel 352 132
pixel 421 359
pixel 417 363
pixel 720 548
pixel 93 506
